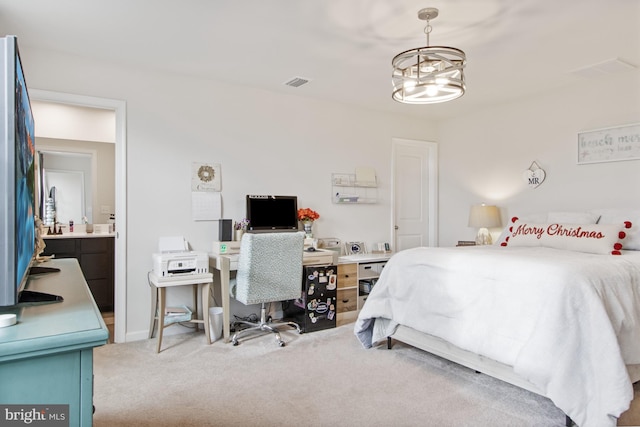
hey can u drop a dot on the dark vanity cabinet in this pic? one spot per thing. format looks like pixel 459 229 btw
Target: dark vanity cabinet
pixel 96 257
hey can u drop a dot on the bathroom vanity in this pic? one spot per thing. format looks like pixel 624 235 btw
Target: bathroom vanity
pixel 95 253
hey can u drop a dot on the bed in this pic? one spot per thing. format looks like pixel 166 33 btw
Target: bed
pixel 541 315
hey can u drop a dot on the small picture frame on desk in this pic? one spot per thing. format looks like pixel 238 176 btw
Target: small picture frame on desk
pixel 382 248
pixel 355 248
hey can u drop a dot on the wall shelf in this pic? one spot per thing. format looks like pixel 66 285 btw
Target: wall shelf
pixel 346 189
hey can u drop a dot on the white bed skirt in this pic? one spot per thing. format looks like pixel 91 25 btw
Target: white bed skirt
pixel 446 350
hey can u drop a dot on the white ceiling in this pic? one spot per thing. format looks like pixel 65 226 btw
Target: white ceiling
pixel 514 48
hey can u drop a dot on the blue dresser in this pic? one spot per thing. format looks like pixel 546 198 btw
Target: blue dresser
pixel 47 357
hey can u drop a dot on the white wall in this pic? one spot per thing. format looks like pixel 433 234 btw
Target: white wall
pixel 483 156
pixel 265 143
pixel 73 122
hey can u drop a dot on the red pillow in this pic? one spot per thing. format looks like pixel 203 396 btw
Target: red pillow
pixel 591 238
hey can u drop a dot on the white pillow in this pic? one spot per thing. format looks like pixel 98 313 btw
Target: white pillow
pixel 591 238
pixel 559 217
pixel 618 216
pixel 535 217
pixel 573 217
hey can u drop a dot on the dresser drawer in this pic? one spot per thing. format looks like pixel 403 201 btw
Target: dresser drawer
pixel 372 269
pixel 347 276
pixel 347 300
pixel 361 300
pixel 346 317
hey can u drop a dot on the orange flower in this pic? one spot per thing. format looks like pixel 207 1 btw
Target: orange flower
pixel 307 214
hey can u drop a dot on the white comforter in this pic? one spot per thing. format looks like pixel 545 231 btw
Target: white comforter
pixel 566 321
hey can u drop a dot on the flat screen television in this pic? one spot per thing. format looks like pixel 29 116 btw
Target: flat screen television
pixel 17 180
pixel 272 213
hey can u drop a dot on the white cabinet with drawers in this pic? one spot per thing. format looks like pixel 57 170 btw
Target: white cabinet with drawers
pixel 357 274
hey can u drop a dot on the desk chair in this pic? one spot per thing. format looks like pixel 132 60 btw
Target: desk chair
pixel 269 269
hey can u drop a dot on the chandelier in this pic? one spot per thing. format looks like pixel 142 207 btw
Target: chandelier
pixel 430 74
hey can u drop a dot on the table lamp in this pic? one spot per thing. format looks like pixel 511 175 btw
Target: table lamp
pixel 484 217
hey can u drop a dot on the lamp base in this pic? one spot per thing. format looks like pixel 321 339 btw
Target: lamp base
pixel 483 237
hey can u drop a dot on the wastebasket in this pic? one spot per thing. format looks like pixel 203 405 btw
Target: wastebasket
pixel 215 323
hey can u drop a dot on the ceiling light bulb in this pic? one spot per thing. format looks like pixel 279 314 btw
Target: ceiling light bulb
pixel 432 90
pixel 441 81
pixel 409 85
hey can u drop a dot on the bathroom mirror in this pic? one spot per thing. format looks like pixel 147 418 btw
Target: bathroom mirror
pixel 76 180
pixel 66 182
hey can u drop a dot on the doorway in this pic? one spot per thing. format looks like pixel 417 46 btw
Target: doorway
pixel 119 109
pixel 414 196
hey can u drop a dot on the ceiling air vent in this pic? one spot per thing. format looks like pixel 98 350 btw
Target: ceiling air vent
pixel 297 82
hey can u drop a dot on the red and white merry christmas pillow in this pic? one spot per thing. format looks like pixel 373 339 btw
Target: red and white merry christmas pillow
pixel 591 238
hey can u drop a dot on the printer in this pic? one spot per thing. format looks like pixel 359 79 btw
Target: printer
pixel 175 259
pixel 167 264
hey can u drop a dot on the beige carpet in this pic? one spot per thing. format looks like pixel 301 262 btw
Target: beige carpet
pixel 632 416
pixel 322 378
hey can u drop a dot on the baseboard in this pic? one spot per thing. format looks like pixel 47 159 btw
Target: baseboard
pixel 137 336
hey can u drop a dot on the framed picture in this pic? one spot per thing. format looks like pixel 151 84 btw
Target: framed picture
pixel 609 144
pixel 354 248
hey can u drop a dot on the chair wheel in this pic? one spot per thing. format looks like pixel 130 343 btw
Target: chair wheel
pixel 235 342
pixel 281 344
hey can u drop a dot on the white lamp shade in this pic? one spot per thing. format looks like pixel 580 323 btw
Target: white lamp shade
pixel 483 216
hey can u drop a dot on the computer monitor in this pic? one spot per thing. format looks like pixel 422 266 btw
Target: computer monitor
pixel 272 213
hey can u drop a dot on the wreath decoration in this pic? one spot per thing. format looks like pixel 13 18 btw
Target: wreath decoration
pixel 206 173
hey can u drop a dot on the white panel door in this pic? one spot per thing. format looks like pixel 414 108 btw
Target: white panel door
pixel 414 193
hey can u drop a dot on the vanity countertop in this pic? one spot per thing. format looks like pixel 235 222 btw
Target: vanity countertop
pixel 77 235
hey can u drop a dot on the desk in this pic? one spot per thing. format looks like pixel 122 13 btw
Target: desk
pixel 159 286
pixel 225 264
